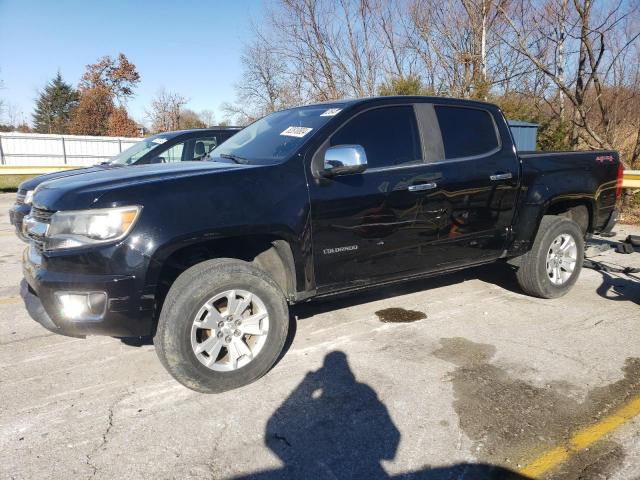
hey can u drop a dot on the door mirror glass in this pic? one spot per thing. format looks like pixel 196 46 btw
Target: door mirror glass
pixel 344 159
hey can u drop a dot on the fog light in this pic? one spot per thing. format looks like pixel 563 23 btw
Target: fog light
pixel 82 305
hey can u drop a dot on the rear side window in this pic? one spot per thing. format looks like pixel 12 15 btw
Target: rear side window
pixel 466 132
pixel 203 146
pixel 389 136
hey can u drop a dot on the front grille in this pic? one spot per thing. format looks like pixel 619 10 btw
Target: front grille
pixel 20 196
pixel 41 215
pixel 38 245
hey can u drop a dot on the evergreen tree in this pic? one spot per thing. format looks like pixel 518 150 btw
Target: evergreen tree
pixel 55 106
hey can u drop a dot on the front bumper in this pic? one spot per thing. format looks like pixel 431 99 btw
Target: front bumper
pixel 125 314
pixel 16 217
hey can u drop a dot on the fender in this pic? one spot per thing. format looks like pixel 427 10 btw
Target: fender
pixel 547 192
pixel 228 242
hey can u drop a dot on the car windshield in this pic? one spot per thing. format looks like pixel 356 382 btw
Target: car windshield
pixel 274 137
pixel 132 154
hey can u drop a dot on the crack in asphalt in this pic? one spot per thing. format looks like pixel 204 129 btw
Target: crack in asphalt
pixel 105 434
pixel 210 464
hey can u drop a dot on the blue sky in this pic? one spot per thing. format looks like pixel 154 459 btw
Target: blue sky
pixel 191 47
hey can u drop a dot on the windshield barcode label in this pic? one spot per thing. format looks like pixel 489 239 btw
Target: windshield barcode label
pixel 331 112
pixel 296 131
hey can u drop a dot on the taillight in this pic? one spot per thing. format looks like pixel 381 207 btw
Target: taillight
pixel 619 180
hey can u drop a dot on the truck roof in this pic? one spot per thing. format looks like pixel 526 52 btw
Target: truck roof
pixel 448 100
pixel 175 133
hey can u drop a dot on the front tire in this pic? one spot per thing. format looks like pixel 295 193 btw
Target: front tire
pixel 553 264
pixel 223 325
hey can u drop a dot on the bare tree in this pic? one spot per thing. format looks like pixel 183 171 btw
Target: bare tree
pixel 312 50
pixel 208 117
pixel 592 35
pixel 459 45
pixel 190 119
pixel 265 86
pixel 165 111
pixel 572 65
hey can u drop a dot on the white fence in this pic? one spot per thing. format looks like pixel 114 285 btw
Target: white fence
pixel 30 149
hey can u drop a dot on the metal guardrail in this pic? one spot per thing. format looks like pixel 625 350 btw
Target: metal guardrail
pixel 631 177
pixel 34 170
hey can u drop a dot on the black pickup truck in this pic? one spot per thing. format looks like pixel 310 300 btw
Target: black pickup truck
pixel 167 147
pixel 304 203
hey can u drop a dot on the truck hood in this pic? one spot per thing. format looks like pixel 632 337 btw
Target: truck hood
pixel 82 191
pixel 32 183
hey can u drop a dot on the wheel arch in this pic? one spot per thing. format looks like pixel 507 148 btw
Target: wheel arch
pixel 579 208
pixel 271 253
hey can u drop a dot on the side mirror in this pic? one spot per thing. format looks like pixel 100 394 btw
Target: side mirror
pixel 344 159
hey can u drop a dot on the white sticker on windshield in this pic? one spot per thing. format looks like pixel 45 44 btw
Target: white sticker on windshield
pixel 296 131
pixel 159 141
pixel 331 112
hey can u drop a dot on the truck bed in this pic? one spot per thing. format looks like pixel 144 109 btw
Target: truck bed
pixel 564 176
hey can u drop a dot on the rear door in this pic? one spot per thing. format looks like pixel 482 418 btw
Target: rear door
pixel 478 184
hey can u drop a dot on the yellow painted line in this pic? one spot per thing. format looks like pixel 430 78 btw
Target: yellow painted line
pixel 582 439
pixel 33 170
pixel 9 300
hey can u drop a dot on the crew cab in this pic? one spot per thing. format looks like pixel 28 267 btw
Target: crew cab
pixel 307 202
pixel 167 147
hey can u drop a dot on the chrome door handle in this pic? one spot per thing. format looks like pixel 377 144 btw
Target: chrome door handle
pixel 501 176
pixel 422 186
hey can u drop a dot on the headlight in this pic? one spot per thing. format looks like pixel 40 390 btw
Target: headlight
pixel 28 197
pixel 88 227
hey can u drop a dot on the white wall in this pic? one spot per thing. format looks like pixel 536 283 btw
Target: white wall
pixel 35 149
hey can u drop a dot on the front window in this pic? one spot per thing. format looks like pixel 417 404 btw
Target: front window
pixel 389 136
pixel 135 152
pixel 171 155
pixel 276 136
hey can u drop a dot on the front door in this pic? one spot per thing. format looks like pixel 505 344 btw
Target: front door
pixel 371 225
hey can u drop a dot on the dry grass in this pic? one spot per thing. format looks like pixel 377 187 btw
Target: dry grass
pixel 9 183
pixel 630 214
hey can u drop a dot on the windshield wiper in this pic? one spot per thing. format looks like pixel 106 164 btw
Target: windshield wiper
pixel 234 158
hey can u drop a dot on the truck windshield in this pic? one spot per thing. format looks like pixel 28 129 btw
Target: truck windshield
pixel 274 137
pixel 132 154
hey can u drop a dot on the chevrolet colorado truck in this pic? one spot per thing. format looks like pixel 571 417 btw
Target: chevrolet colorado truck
pixel 307 202
pixel 176 146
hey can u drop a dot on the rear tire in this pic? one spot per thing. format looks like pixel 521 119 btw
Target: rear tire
pixel 553 264
pixel 223 325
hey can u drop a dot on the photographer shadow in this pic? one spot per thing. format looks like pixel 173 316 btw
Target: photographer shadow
pixel 334 427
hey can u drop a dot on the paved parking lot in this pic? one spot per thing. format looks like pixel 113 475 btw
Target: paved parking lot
pixel 475 374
